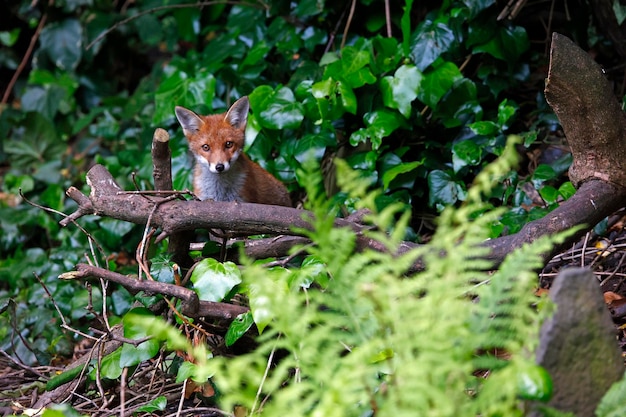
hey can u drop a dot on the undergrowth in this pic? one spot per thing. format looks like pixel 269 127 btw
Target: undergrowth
pixel 365 336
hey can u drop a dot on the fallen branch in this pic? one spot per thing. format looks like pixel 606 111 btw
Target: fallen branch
pixel 191 305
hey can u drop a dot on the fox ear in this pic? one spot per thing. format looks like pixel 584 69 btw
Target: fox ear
pixel 237 115
pixel 190 121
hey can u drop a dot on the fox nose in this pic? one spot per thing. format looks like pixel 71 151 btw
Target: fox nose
pixel 219 167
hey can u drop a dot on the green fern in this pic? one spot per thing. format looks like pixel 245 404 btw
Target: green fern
pixel 371 339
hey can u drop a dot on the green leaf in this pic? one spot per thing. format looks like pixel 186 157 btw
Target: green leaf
pixel 566 190
pixel 508 44
pixel 549 194
pixel 543 172
pixel 238 328
pixel 352 67
pixel 110 366
pixel 8 38
pixel 505 113
pixel 436 83
pixel 313 146
pixel 179 89
pixel 444 190
pixel 134 329
pixel 186 370
pixel 612 404
pixel 428 42
pixel 157 404
pixel 62 43
pixel 38 142
pixel 402 168
pixel 466 153
pixel 380 124
pixel 534 383
pixel 486 128
pixel 149 28
pixel 276 109
pixel 264 293
pixel 213 280
pixel 400 90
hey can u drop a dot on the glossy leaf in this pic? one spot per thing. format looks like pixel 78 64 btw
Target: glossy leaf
pixel 400 90
pixel 213 280
pixel 182 90
pixel 428 42
pixel 436 83
pixel 62 43
pixel 157 404
pixel 133 329
pixel 402 168
pixel 276 109
pixel 444 190
pixel 238 327
pixel 466 153
pixel 485 128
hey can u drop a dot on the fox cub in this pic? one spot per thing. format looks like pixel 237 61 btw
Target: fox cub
pixel 222 171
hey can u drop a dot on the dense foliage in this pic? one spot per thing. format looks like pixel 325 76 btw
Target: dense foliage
pixel 417 102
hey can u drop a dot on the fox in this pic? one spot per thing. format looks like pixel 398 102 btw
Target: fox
pixel 222 171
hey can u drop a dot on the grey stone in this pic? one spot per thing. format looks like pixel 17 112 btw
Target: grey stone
pixel 578 344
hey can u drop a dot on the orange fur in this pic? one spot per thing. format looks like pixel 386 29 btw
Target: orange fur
pixel 222 171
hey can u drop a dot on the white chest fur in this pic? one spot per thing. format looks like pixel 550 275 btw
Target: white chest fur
pixel 223 186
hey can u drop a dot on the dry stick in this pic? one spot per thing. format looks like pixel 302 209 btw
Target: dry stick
pixel 388 18
pixel 25 58
pixel 178 244
pixel 64 324
pixel 348 23
pixel 157 9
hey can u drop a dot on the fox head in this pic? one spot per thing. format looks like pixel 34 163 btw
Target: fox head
pixel 216 141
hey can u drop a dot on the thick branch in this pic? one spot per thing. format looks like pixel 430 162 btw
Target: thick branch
pixel 107 199
pixel 178 244
pixel 592 119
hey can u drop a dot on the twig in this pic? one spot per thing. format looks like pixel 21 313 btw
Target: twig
pixel 348 23
pixel 270 360
pixel 182 398
pixel 21 365
pixel 157 9
pixel 25 58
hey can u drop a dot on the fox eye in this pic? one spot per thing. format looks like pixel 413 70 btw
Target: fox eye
pixel 206 147
pixel 228 145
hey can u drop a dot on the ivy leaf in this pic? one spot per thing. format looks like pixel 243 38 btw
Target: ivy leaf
pixel 179 89
pixel 381 123
pixel 465 153
pixel 400 90
pixel 428 42
pixel 402 168
pixel 276 109
pixel 436 83
pixel 213 280
pixel 485 128
pixel 507 44
pixel 312 145
pixel 157 404
pixel 238 328
pixel 110 367
pixel 567 190
pixel 134 329
pixel 62 43
pixel 352 67
pixel 443 190
pixel 505 113
pixel 264 295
